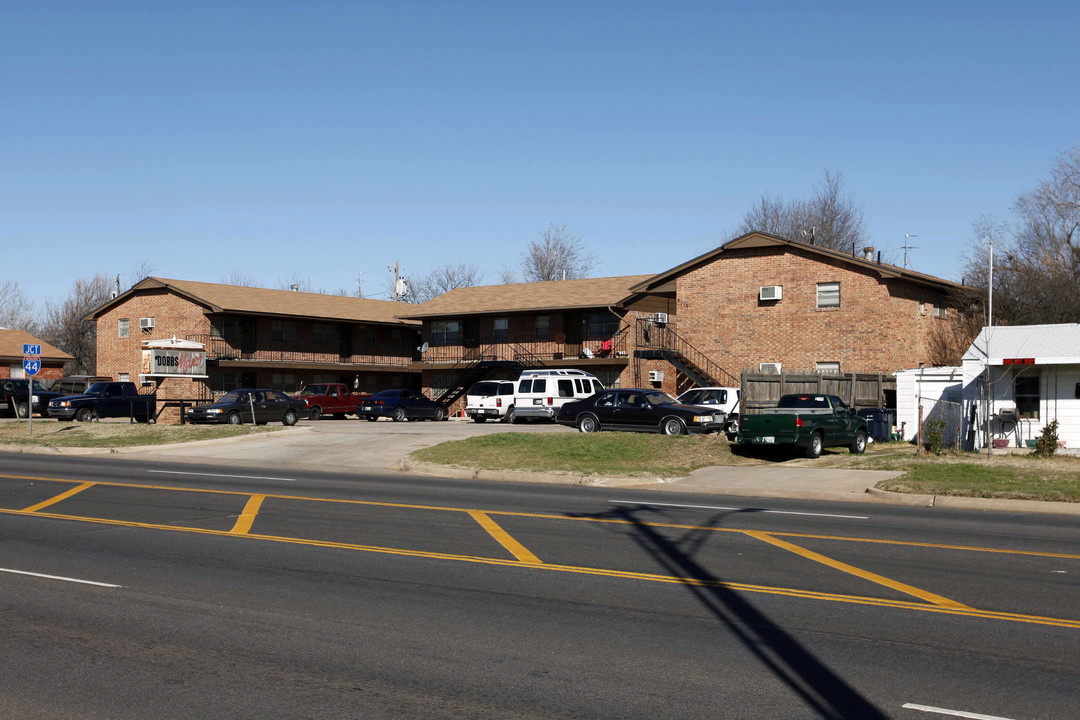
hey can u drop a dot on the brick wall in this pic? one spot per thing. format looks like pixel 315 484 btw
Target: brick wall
pixel 47 373
pixel 875 329
pixel 173 315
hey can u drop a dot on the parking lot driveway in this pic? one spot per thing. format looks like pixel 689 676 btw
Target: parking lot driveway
pixel 341 445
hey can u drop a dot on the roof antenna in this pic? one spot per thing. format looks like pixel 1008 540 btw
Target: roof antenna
pixel 813 238
pixel 908 247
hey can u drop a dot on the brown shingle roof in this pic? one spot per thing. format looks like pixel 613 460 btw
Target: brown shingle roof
pixel 261 301
pixel 527 297
pixel 11 346
pixel 759 239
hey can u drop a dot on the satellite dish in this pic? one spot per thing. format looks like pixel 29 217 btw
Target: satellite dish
pixel 587 353
pixel 423 348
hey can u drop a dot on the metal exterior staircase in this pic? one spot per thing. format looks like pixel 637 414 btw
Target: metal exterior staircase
pixel 476 364
pixel 661 342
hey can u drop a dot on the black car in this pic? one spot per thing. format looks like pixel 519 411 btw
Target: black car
pixel 639 410
pixel 399 405
pixel 15 397
pixel 238 406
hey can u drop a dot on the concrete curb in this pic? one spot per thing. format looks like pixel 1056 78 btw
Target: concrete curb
pixel 45 450
pixel 971 503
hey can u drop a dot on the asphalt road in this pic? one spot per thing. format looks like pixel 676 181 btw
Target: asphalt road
pixel 290 594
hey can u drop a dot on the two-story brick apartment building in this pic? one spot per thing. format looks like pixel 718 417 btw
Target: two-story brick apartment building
pixel 256 337
pixel 761 302
pixel 758 302
pixel 498 330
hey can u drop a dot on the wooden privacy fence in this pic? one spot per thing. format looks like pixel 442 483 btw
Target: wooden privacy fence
pixel 761 391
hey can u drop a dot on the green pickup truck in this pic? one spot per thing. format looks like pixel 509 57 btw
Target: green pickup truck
pixel 811 422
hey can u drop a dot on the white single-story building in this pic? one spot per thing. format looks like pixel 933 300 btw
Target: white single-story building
pixel 1033 375
pixel 939 392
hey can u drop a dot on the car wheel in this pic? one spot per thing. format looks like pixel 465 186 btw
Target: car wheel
pixel 289 418
pixel 733 427
pixel 399 414
pixel 817 444
pixel 859 446
pixel 440 415
pixel 22 410
pixel 370 418
pixel 672 426
pixel 479 418
pixel 235 419
pixel 84 415
pixel 588 424
pixel 509 417
pixel 315 413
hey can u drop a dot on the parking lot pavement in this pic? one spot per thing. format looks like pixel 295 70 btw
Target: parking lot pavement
pixel 341 445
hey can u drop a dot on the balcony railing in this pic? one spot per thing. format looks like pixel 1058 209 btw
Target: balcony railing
pixel 528 351
pixel 224 349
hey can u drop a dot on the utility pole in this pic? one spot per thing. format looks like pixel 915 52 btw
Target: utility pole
pixel 360 284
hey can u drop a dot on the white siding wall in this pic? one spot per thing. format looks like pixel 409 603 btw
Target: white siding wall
pixel 1057 387
pixel 930 384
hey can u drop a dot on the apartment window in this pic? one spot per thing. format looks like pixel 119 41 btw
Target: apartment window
pixel 318 378
pixel 602 324
pixel 323 334
pixel 770 368
pixel 283 331
pixel 395 338
pixel 123 377
pixel 445 332
pixel 225 327
pixel 223 383
pixel 940 310
pixel 828 295
pixel 541 327
pixel 371 336
pixel 124 327
pixel 501 329
pixel 828 367
pixel 285 382
pixel 1026 395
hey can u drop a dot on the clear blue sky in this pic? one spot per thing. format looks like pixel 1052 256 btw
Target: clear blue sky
pixel 322 139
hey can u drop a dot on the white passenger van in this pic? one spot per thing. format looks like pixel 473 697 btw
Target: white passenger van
pixel 540 393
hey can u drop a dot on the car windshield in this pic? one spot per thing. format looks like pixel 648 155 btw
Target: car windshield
pixel 313 390
pixel 658 398
pixel 97 388
pixel 38 385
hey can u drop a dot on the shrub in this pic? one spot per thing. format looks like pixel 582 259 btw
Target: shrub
pixel 935 436
pixel 1048 440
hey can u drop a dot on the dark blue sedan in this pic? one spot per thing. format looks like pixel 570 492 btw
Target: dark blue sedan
pixel 400 405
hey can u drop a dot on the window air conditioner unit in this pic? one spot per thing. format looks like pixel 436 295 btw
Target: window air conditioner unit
pixel 656 376
pixel 771 292
pixel 661 318
pixel 146 323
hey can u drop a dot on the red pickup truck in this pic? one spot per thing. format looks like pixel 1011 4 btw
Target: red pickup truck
pixel 330 399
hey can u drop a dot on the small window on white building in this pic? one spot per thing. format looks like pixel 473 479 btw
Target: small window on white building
pixel 123 327
pixel 828 295
pixel 828 367
pixel 1026 395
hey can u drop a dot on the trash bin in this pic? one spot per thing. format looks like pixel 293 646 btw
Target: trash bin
pixel 879 422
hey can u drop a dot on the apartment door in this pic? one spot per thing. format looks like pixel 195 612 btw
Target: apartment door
pixel 247 338
pixel 471 333
pixel 345 341
pixel 572 330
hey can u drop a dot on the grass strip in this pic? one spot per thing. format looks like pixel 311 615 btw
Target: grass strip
pixel 113 435
pixel 612 454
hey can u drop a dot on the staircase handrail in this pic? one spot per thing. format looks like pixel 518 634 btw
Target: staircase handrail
pixel 668 339
pixel 468 360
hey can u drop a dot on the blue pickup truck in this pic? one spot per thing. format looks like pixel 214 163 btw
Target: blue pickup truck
pixel 106 400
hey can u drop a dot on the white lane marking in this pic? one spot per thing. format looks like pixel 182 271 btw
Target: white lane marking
pixel 243 477
pixel 954 713
pixel 57 577
pixel 718 507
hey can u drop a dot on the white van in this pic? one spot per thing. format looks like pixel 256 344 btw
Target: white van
pixel 540 393
pixel 492 399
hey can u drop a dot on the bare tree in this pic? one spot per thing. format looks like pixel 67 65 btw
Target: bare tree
pixel 556 255
pixel 140 271
pixel 443 279
pixel 16 312
pixel 66 326
pixel 240 279
pixel 831 217
pixel 1036 254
